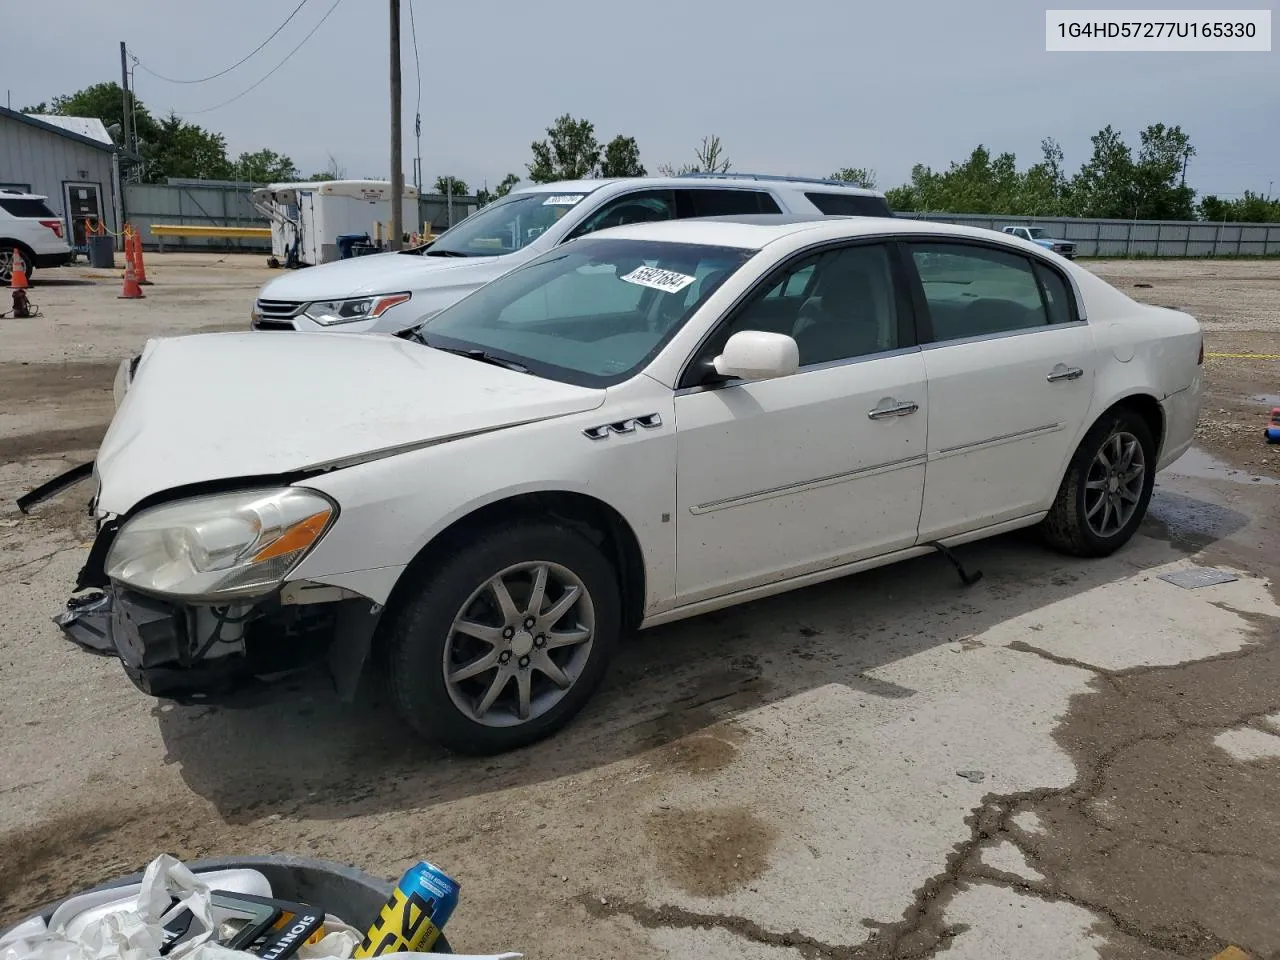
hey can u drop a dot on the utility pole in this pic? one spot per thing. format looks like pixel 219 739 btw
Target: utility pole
pixel 124 104
pixel 397 170
pixel 1186 154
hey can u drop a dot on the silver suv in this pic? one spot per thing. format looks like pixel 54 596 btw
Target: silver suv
pixel 390 292
pixel 35 231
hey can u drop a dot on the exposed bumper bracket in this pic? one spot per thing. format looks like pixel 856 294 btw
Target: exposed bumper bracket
pixel 54 486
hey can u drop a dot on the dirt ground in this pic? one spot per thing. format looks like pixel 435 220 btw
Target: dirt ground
pixel 1068 759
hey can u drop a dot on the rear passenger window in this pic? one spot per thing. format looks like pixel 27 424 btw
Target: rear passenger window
pixel 849 205
pixel 977 291
pixel 726 203
pixel 25 207
pixel 1057 296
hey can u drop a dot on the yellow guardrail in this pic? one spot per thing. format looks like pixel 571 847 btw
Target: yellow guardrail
pixel 196 230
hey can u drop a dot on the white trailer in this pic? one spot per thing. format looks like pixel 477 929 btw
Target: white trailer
pixel 307 218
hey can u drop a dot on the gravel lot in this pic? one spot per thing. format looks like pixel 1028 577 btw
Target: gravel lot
pixel 1068 759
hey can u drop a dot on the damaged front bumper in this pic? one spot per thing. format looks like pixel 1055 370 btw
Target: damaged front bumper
pixel 191 653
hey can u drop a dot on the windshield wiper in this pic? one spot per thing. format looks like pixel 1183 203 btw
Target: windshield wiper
pixel 443 253
pixel 471 353
pixel 484 357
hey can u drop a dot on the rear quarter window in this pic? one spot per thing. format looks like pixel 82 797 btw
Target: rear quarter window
pixel 849 205
pixel 26 207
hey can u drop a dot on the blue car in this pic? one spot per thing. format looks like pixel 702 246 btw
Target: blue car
pixel 1038 236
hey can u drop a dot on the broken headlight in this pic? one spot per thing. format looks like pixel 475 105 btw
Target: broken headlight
pixel 223 546
pixel 329 312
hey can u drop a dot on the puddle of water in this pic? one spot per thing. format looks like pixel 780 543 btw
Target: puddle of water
pixel 1196 463
pixel 1269 399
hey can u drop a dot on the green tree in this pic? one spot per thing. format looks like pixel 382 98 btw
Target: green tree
pixel 485 197
pixel 106 102
pixel 1249 208
pixel 570 152
pixel 1158 174
pixel 181 149
pixel 708 158
pixel 333 171
pixel 265 166
pixel 622 158
pixel 1214 209
pixel 858 176
pixel 451 185
pixel 1103 187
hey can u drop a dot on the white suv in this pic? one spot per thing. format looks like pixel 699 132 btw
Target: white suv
pixel 36 232
pixel 391 292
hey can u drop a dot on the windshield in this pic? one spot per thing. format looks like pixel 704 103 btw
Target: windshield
pixel 592 313
pixel 1035 233
pixel 504 226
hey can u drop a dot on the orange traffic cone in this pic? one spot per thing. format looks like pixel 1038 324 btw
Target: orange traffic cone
pixel 18 276
pixel 138 264
pixel 130 290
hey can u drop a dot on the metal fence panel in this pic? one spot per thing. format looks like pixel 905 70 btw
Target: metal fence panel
pixel 219 203
pixel 1126 238
pixel 226 204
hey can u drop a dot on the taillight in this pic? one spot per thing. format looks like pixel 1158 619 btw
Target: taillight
pixel 54 225
pixel 1200 359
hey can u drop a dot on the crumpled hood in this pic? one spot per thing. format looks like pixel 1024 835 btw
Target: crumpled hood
pixel 379 273
pixel 220 406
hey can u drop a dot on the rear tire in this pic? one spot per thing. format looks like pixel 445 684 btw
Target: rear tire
pixel 1104 495
pixel 518 670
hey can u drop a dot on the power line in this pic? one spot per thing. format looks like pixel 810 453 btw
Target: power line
pixel 214 76
pixel 224 103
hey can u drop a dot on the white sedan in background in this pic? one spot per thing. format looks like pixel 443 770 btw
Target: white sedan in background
pixel 642 425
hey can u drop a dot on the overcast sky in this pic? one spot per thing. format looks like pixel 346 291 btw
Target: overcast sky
pixel 802 87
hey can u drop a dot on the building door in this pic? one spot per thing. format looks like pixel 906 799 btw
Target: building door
pixel 83 207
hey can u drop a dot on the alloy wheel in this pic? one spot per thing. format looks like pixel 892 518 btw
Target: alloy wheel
pixel 519 644
pixel 1114 483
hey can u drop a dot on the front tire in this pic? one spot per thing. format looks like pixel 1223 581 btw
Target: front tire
pixel 1107 487
pixel 6 262
pixel 506 640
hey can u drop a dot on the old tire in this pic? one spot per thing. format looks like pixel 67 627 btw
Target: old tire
pixel 1102 501
pixel 483 673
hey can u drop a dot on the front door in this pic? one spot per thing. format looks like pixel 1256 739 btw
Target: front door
pixel 1010 375
pixel 779 478
pixel 84 211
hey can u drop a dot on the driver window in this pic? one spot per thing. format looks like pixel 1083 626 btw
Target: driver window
pixel 837 305
pixel 645 206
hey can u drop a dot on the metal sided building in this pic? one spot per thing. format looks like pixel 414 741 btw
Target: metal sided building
pixel 71 160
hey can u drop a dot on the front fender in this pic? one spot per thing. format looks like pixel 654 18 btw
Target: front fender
pixel 391 509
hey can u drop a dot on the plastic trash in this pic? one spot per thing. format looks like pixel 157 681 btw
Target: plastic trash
pixel 73 915
pixel 131 927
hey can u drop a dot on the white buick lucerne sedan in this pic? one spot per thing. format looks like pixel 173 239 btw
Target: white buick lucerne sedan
pixel 641 425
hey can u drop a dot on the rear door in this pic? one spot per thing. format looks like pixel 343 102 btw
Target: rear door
pixel 1010 368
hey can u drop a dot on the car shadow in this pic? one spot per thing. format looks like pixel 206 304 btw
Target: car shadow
pixel 41 281
pixel 298 752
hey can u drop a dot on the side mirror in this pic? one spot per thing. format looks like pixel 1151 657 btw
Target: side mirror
pixel 757 355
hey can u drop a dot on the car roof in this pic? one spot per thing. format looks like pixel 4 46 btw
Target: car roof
pixel 720 180
pixel 755 231
pixel 22 195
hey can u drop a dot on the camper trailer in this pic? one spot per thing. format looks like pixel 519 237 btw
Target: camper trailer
pixel 307 219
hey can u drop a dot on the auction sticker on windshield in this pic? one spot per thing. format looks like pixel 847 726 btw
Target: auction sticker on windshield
pixel 562 199
pixel 668 281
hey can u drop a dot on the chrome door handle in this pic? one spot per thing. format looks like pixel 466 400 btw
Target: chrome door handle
pixel 1061 372
pixel 893 410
